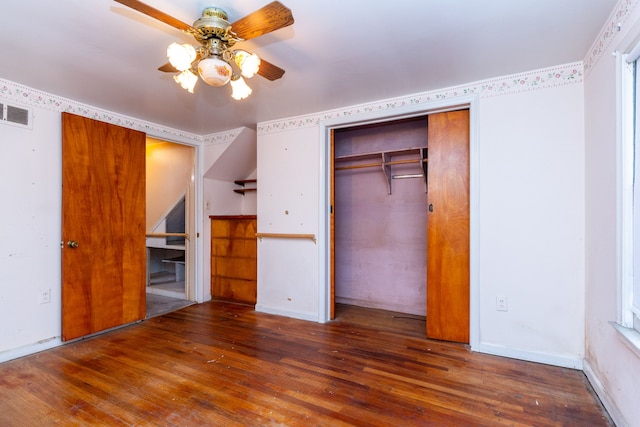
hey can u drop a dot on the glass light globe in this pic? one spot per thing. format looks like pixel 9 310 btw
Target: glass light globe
pixel 248 63
pixel 240 89
pixel 187 80
pixel 214 71
pixel 181 55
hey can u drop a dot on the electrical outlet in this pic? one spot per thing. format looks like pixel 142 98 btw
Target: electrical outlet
pixel 45 296
pixel 501 303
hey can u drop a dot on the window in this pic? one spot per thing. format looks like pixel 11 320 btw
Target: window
pixel 633 162
pixel 628 322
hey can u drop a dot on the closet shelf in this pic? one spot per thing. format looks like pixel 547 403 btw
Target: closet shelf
pixel 385 162
pixel 378 164
pixel 377 154
pixel 244 190
pixel 242 183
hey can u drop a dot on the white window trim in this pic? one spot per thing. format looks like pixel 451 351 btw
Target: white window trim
pixel 630 337
pixel 624 185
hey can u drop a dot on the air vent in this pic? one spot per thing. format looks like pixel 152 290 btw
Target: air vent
pixel 17 116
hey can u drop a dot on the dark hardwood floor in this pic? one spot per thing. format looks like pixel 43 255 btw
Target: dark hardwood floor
pixel 218 364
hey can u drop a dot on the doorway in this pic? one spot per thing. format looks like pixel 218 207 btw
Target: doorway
pixel 380 202
pixel 333 289
pixel 170 226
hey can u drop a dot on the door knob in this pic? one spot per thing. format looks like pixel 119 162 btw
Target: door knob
pixel 430 207
pixel 72 244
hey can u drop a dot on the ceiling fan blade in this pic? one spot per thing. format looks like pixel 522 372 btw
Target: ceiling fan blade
pixel 157 14
pixel 271 17
pixel 270 71
pixel 168 68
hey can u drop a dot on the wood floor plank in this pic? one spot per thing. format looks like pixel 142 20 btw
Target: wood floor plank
pixel 222 364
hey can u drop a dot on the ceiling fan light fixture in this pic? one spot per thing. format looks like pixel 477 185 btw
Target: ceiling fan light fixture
pixel 214 71
pixel 181 55
pixel 249 63
pixel 240 88
pixel 187 80
pixel 214 59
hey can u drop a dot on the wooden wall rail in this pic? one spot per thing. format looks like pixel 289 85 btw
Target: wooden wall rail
pixel 185 235
pixel 287 236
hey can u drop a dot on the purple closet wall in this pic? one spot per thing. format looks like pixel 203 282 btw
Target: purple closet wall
pixel 380 239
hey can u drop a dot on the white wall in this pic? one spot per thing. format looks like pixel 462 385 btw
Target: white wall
pixel 532 222
pixel 612 367
pixel 530 215
pixel 288 177
pixel 30 217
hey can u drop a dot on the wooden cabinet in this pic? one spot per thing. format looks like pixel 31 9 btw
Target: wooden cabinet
pixel 234 258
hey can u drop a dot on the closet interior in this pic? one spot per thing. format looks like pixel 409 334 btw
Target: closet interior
pixel 380 215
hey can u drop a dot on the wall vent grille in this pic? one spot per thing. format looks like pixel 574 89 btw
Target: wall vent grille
pixel 16 116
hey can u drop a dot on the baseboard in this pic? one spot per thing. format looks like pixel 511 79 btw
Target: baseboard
pixel 293 314
pixel 573 362
pixel 30 349
pixel 604 397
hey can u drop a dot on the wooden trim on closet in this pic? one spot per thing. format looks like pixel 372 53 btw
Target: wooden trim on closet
pixel 332 227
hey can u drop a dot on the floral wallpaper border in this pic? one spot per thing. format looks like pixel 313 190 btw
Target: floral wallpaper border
pixel 618 17
pixel 508 85
pixel 23 95
pixel 517 83
pixel 221 137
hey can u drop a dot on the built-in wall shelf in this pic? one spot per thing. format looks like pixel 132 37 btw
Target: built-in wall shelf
pixel 248 185
pixel 385 160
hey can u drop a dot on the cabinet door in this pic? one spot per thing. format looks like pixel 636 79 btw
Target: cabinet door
pixel 234 258
pixel 448 227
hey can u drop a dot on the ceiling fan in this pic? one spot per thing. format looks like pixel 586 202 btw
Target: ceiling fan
pixel 215 60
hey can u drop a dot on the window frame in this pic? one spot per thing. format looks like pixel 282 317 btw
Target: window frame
pixel 628 138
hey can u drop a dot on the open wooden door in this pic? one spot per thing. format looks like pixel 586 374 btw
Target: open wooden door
pixel 103 226
pixel 448 227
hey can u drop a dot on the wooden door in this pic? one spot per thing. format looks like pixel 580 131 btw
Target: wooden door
pixel 103 211
pixel 448 227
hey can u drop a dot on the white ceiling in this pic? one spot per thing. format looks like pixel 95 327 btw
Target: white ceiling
pixel 336 54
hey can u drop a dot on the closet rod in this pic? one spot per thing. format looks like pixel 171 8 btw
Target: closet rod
pixel 411 175
pixel 287 236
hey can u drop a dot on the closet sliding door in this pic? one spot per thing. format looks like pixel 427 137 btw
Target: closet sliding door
pixel 448 227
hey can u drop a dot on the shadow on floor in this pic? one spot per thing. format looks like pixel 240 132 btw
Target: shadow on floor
pixel 158 305
pixel 383 320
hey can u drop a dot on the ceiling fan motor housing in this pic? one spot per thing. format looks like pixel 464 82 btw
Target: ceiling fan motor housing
pixel 212 24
